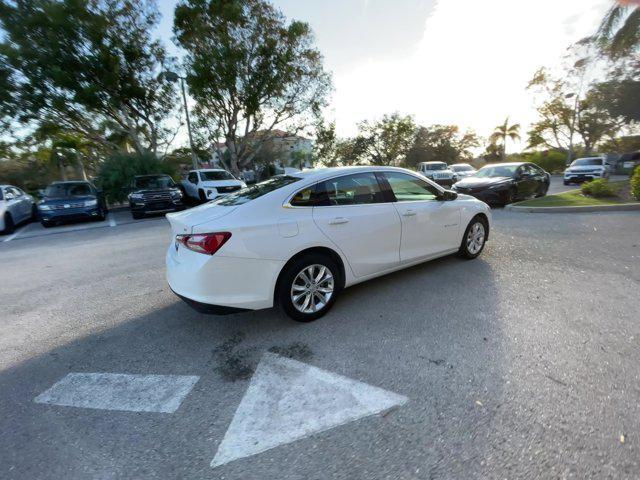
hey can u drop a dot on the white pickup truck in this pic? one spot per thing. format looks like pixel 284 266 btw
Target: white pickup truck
pixel 209 183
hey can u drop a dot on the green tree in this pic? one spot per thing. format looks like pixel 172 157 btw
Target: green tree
pixel 388 140
pixel 249 71
pixel 505 132
pixel 325 145
pixel 619 31
pixel 88 66
pixel 443 143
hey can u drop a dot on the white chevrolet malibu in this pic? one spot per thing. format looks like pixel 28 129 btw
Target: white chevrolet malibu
pixel 297 240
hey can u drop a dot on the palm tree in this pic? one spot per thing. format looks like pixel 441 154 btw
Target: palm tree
pixel 504 132
pixel 619 31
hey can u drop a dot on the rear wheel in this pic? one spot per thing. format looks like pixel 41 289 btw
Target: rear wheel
pixel 34 212
pixel 137 215
pixel 542 191
pixel 474 238
pixel 308 287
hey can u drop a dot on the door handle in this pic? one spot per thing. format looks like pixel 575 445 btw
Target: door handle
pixel 409 213
pixel 338 221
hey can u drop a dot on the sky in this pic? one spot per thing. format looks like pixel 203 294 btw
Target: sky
pixel 463 62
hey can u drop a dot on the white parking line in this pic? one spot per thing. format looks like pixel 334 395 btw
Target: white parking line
pixel 112 221
pixel 288 400
pixel 12 236
pixel 118 391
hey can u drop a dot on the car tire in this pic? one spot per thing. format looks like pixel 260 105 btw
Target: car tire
pixel 474 238
pixel 509 197
pixel 137 215
pixel 566 183
pixel 34 212
pixel 102 216
pixel 293 280
pixel 45 224
pixel 202 196
pixel 543 191
pixel 9 226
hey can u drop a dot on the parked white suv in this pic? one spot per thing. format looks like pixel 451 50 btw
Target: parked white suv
pixel 588 168
pixel 208 184
pixel 439 172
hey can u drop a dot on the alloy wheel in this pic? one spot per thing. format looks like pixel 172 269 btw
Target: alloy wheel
pixel 312 288
pixel 475 238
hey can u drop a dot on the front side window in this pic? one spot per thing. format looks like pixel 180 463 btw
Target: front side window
pixel 356 189
pixel 193 177
pixel 408 188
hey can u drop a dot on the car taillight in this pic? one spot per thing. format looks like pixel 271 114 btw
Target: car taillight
pixel 208 243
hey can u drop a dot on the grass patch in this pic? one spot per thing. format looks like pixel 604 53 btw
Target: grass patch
pixel 575 198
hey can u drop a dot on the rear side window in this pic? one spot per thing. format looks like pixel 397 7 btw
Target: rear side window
pixel 255 191
pixel 304 198
pixel 356 189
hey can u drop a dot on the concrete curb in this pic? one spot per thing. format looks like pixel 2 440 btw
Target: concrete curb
pixel 579 209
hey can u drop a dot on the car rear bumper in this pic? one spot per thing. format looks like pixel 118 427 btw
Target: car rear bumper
pixel 218 281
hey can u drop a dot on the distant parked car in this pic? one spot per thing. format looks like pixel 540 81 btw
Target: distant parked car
pixel 503 183
pixel 583 169
pixel 462 170
pixel 439 172
pixel 76 200
pixel 154 194
pixel 16 207
pixel 208 184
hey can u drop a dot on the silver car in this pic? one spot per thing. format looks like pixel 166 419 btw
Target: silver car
pixel 16 207
pixel 462 170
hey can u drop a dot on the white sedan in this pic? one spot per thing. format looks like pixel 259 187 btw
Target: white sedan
pixel 297 240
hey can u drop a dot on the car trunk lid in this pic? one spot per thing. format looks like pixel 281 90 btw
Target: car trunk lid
pixel 185 221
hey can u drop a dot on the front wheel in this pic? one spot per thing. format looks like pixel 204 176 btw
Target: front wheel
pixel 474 238
pixel 308 287
pixel 9 226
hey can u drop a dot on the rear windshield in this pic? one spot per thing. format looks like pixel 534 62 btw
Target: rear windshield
pixel 216 175
pixel 435 166
pixel 161 181
pixel 254 191
pixel 462 168
pixel 587 162
pixel 68 190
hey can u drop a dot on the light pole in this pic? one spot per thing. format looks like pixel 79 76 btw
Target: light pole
pixel 573 123
pixel 174 77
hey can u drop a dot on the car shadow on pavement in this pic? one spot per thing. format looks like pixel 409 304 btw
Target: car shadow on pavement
pixel 432 333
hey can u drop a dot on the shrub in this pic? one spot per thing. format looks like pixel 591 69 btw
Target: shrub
pixel 118 170
pixel 599 188
pixel 552 161
pixel 635 183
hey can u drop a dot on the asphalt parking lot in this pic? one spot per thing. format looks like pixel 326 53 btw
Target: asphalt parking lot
pixel 524 363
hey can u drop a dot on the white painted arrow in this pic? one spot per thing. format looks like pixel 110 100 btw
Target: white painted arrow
pixel 288 400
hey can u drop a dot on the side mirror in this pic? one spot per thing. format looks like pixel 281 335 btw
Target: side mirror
pixel 448 195
pixel 9 196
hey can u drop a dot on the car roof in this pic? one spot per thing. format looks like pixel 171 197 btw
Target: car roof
pixel 461 164
pixel 505 164
pixel 598 157
pixel 152 175
pixel 208 170
pixel 433 163
pixel 70 181
pixel 329 172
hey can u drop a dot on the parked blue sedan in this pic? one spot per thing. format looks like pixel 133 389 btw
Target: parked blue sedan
pixel 65 201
